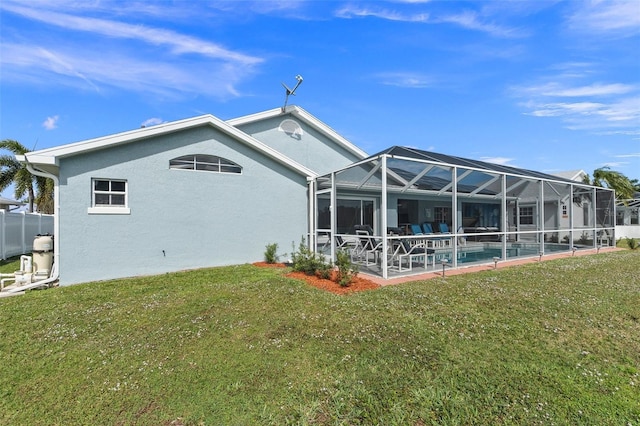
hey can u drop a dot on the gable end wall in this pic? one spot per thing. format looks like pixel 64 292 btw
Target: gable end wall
pixel 179 219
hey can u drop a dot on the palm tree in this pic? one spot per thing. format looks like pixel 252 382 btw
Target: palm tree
pixel 44 195
pixel 604 177
pixel 14 172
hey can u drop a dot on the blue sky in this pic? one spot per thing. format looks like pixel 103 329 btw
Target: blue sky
pixel 543 85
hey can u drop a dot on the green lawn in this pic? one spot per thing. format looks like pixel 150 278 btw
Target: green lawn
pixel 556 342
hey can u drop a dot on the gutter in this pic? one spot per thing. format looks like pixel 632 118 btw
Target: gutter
pixel 55 274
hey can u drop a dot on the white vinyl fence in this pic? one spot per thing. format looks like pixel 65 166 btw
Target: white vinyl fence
pixel 17 231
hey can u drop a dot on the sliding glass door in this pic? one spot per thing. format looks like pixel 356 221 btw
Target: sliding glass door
pixel 349 213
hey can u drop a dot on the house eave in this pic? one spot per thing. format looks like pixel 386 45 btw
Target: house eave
pixel 52 156
pixel 308 118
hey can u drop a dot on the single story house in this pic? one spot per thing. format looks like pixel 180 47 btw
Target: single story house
pixel 205 192
pixel 186 194
pixel 627 211
pixel 6 204
pixel 628 217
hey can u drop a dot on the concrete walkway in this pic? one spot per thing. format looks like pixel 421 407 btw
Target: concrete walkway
pixel 486 267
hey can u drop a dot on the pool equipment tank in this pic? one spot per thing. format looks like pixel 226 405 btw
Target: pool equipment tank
pixel 36 267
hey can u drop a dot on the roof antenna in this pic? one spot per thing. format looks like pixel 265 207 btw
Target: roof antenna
pixel 291 91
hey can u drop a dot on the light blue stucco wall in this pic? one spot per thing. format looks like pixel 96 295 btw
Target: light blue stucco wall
pixel 198 219
pixel 311 149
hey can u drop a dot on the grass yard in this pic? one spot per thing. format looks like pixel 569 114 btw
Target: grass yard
pixel 556 342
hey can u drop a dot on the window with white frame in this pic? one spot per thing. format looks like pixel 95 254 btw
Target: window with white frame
pixel 204 162
pixel 109 196
pixel 526 215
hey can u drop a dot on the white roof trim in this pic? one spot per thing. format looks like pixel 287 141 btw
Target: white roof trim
pixel 308 119
pixel 575 175
pixel 51 156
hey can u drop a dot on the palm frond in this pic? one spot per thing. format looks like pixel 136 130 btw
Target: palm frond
pixel 14 146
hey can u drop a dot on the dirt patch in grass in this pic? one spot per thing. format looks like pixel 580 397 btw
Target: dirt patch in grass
pixel 269 265
pixel 357 284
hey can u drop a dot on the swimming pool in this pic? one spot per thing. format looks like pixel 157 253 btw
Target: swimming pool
pixel 484 254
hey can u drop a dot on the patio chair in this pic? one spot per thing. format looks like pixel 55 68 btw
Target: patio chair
pixel 433 241
pixel 416 229
pixel 368 245
pixel 405 252
pixel 444 228
pixel 348 245
pixel 427 228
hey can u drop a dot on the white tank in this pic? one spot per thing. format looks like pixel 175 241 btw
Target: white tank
pixel 42 254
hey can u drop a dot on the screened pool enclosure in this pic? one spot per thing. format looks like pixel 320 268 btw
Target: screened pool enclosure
pixel 405 211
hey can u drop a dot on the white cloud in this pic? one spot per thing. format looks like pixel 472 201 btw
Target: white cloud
pixel 469 20
pixel 349 12
pixel 152 122
pixel 405 79
pixel 472 21
pixel 596 89
pixel 50 123
pixel 135 58
pixel 562 109
pixel 624 113
pixel 601 107
pixel 86 68
pixel 637 154
pixel 179 43
pixel 615 18
pixel 615 164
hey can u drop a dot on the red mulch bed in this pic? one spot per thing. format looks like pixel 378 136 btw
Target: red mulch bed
pixel 270 265
pixel 358 283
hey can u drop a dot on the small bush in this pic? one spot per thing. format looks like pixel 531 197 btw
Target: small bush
pixel 632 243
pixel 305 260
pixel 270 253
pixel 347 271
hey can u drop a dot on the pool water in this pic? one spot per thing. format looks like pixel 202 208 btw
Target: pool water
pixel 486 254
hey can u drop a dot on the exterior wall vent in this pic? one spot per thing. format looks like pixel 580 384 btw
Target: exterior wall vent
pixel 291 128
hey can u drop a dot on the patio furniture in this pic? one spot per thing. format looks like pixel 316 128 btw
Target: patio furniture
pixel 434 241
pixel 403 252
pixel 349 245
pixel 368 246
pixel 444 228
pixel 416 229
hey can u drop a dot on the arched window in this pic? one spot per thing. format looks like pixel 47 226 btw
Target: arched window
pixel 203 162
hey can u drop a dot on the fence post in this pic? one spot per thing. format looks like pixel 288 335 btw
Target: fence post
pixel 3 235
pixel 24 230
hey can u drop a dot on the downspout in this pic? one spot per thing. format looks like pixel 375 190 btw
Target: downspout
pixel 55 273
pixel 311 214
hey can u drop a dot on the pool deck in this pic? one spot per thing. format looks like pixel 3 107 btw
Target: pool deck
pixel 486 267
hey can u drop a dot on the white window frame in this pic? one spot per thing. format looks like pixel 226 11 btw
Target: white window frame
pixel 203 163
pixel 523 212
pixel 107 208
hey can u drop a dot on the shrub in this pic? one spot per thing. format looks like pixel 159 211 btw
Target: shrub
pixel 270 253
pixel 347 271
pixel 632 243
pixel 305 260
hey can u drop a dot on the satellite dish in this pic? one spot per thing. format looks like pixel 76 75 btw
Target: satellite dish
pixel 291 91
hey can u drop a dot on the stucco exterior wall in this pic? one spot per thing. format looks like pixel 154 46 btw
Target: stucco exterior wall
pixel 179 219
pixel 309 147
